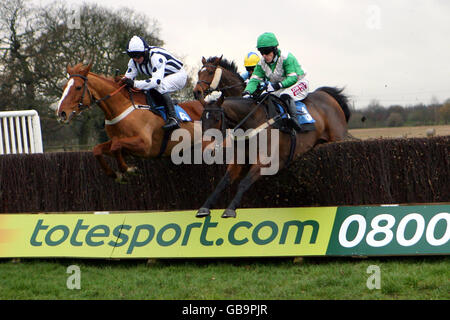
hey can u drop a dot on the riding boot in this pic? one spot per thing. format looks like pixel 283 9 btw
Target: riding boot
pixel 292 110
pixel 172 121
pixel 150 100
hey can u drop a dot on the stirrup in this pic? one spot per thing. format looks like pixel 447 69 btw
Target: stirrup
pixel 171 123
pixel 306 127
pixel 295 125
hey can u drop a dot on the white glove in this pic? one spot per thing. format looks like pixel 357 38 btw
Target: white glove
pixel 213 96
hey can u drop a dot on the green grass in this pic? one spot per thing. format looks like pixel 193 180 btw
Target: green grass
pixel 315 278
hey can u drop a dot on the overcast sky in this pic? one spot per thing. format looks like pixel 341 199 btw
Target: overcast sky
pixel 397 52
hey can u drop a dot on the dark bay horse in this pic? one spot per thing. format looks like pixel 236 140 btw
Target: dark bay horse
pixel 133 131
pixel 218 74
pixel 327 105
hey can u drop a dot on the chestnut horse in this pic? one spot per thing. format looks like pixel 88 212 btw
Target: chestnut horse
pixel 133 131
pixel 327 105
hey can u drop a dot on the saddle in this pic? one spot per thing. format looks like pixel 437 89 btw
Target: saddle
pixel 156 104
pixel 275 107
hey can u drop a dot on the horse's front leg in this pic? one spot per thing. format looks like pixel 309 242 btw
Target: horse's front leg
pixel 100 150
pixel 253 174
pixel 232 173
pixel 135 145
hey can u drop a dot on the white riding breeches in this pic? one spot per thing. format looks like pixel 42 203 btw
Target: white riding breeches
pixel 297 91
pixel 173 82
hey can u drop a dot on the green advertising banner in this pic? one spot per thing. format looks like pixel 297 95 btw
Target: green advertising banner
pixel 391 230
pixel 318 231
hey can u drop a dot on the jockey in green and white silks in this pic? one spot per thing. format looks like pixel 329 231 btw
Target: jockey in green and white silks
pixel 286 78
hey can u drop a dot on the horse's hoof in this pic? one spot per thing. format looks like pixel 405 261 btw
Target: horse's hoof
pixel 203 212
pixel 229 213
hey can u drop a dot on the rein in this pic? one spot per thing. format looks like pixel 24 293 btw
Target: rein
pixel 222 118
pixel 250 113
pixel 81 105
pixel 255 131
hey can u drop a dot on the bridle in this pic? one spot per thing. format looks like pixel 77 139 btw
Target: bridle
pixel 81 106
pixel 223 118
pixel 210 88
pixel 227 121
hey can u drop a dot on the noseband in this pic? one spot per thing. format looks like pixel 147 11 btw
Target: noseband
pixel 214 83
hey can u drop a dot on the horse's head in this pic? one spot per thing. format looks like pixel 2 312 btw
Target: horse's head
pixel 208 78
pixel 74 98
pixel 213 115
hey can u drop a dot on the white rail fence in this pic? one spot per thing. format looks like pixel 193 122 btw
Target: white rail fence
pixel 20 132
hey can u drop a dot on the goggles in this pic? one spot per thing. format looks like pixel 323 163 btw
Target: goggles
pixel 265 50
pixel 135 54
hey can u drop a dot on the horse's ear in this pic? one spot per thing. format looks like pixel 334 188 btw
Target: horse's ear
pixel 203 60
pixel 85 70
pixel 88 68
pixel 217 60
pixel 69 69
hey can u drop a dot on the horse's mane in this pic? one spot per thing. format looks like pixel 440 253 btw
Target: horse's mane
pixel 227 65
pixel 104 77
pixel 112 81
pixel 191 110
pixel 80 66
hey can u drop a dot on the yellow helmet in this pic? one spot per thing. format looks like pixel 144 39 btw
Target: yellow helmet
pixel 251 59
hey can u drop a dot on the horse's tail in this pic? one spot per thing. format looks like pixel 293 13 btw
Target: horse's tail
pixel 341 98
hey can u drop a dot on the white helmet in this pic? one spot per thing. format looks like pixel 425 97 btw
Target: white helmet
pixel 137 44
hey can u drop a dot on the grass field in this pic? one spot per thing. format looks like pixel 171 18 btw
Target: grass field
pixel 314 278
pixel 399 132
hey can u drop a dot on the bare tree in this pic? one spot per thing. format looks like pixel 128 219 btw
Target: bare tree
pixel 17 29
pixel 37 44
